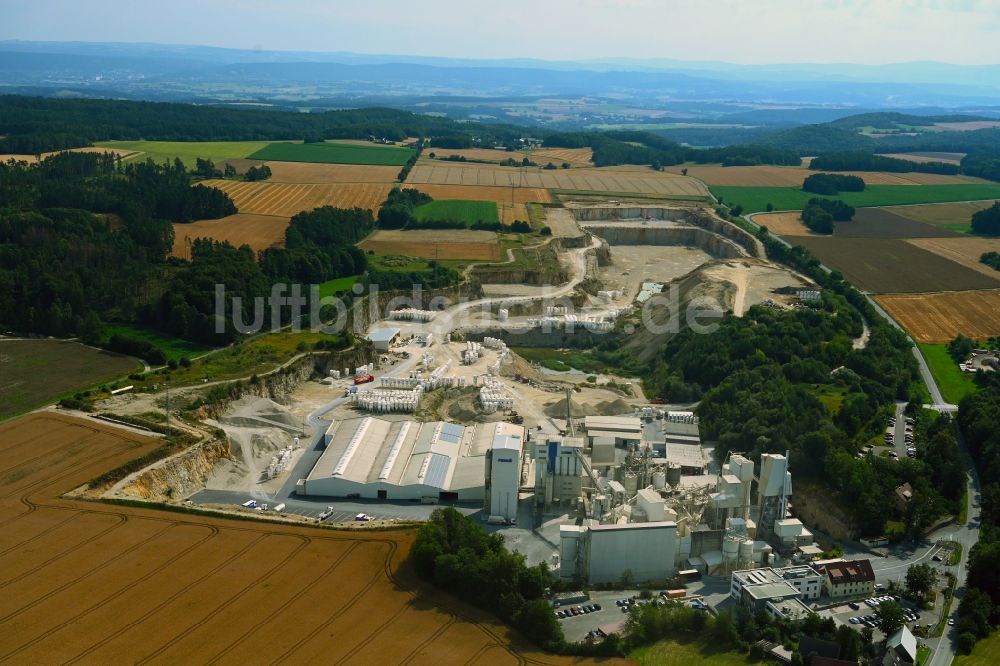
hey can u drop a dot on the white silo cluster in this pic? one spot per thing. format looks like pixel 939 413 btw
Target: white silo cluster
pixel 608 296
pixel 389 400
pixel 410 314
pixel 471 353
pixel 494 397
pixel 682 417
pixel 335 374
pixel 503 314
pixel 279 462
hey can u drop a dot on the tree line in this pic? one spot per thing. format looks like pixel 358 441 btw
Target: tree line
pixel 820 214
pixel 860 160
pixel 832 183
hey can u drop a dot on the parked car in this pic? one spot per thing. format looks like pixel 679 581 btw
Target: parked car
pixel 854 620
pixel 854 605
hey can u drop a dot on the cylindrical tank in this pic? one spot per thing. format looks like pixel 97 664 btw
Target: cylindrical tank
pixel 659 480
pixel 673 474
pixel 746 550
pixel 730 549
pixel 770 559
pixel 631 483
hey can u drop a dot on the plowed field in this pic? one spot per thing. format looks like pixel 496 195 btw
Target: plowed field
pixel 939 318
pixel 965 251
pixel 258 231
pixel 286 200
pixel 100 583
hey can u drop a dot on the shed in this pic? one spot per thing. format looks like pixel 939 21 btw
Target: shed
pixel 382 338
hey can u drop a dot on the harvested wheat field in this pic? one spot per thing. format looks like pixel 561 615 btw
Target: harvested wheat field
pixel 285 200
pixel 435 244
pixel 939 318
pixel 784 224
pixel 921 157
pixel 31 159
pixel 581 180
pixel 308 172
pixel 102 583
pixel 482 154
pixel 962 250
pixel 578 157
pixel 790 176
pixel 258 231
pixel 943 214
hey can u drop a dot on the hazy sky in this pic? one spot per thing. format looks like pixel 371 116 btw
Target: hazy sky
pixel 742 31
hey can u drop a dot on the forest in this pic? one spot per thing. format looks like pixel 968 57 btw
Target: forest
pixel 832 183
pixel 859 160
pixel 820 214
pixel 987 222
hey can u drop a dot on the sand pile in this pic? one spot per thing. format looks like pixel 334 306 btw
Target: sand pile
pixel 254 412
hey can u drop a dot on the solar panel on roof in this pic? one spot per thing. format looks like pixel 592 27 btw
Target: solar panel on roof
pixel 437 470
pixel 451 433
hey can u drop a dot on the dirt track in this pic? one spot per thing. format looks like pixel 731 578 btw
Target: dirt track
pixel 98 583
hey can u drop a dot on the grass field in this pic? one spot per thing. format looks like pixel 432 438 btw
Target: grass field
pixel 939 318
pixel 954 384
pixel 88 582
pixel 172 348
pixel 258 231
pixel 755 199
pixel 331 287
pixel 987 653
pixel 886 265
pixel 563 359
pixel 676 653
pixel 792 176
pixel 187 151
pixel 952 216
pixel 333 153
pixel 468 212
pixel 36 372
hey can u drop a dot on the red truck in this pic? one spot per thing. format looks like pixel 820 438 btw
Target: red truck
pixel 364 379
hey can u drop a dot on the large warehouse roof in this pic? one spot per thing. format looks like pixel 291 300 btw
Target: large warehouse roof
pixel 383 334
pixel 596 425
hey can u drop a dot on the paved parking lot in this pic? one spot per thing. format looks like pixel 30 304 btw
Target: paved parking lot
pixel 576 628
pixel 843 613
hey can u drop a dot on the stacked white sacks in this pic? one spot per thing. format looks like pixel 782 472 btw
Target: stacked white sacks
pixel 471 352
pixel 363 370
pixel 385 401
pixel 409 314
pixel 609 295
pixel 279 462
pixel 503 314
pixel 495 397
pixel 494 343
pixel 400 382
pixel 335 374
pixel 555 310
pixel 427 360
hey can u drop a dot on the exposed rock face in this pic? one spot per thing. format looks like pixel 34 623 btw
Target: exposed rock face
pixel 180 475
pixel 637 234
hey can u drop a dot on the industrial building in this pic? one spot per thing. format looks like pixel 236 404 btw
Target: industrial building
pixel 807 581
pixel 848 578
pixel 626 431
pixel 558 470
pixel 604 553
pixel 376 458
pixel 383 338
pixel 503 472
pixel 773 590
pixel 773 491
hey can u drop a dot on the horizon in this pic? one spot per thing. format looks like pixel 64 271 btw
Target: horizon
pixel 880 32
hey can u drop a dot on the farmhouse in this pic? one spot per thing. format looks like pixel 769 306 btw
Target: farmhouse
pixel 376 458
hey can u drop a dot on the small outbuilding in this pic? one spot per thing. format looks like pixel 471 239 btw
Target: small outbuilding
pixel 383 338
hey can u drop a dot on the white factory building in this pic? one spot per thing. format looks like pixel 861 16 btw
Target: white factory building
pixel 601 553
pixel 503 471
pixel 383 338
pixel 377 458
pixel 625 431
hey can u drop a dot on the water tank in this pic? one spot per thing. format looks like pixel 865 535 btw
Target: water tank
pixel 659 480
pixel 730 549
pixel 631 483
pixel 746 550
pixel 673 474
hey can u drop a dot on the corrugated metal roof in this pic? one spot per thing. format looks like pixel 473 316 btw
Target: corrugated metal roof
pixel 382 334
pixel 437 470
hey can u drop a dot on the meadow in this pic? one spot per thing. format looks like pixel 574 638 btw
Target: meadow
pixel 954 383
pixel 334 153
pixel 187 151
pixel 756 199
pixel 466 211
pixel 38 372
pixel 173 348
pixel 336 285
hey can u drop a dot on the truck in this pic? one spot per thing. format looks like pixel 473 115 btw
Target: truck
pixel 326 514
pixel 279 508
pixel 496 520
pixel 364 379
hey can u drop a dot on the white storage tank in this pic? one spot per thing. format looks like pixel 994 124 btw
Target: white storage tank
pixel 746 550
pixel 659 480
pixel 730 549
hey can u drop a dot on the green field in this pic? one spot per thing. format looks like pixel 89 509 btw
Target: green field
pixel 38 372
pixel 675 653
pixel 337 284
pixel 954 384
pixel 188 151
pixel 987 653
pixel 172 348
pixel 469 212
pixel 334 153
pixel 563 359
pixel 755 199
